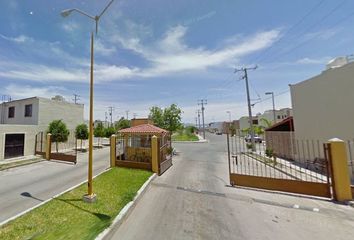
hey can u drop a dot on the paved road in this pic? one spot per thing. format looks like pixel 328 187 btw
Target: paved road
pixel 43 180
pixel 191 201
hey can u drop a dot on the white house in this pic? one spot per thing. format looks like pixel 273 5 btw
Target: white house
pixel 21 120
pixel 280 115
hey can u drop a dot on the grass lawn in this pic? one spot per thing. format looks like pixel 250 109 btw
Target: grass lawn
pixel 68 217
pixel 184 136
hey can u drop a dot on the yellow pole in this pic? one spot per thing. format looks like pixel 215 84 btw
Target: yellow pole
pixel 90 197
pixel 340 174
pixel 113 150
pixel 154 155
pixel 48 146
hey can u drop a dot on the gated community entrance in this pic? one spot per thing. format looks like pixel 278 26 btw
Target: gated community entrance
pixel 143 146
pixel 289 165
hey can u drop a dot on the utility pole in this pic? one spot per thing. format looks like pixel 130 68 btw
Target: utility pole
pixel 250 119
pixel 272 93
pixel 105 117
pixel 111 114
pixel 198 112
pixel 76 98
pixel 196 122
pixel 203 102
pixel 127 113
pixel 135 114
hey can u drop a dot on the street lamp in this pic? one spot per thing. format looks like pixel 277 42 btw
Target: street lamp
pixel 90 196
pixel 229 112
pixel 272 93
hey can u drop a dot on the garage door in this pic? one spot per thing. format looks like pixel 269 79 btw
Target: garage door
pixel 14 145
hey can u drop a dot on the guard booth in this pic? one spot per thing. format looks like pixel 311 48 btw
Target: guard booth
pixel 134 147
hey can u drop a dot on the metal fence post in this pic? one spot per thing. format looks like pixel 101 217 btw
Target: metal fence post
pixel 48 146
pixel 339 170
pixel 113 150
pixel 155 154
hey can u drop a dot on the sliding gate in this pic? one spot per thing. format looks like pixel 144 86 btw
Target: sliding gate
pixel 305 171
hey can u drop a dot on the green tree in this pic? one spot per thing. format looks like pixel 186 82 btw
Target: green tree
pixel 108 132
pixel 81 132
pixel 168 118
pixel 59 132
pixel 122 124
pixel 157 116
pixel 172 118
pixel 98 131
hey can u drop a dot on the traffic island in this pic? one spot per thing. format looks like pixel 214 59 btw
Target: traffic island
pixel 69 217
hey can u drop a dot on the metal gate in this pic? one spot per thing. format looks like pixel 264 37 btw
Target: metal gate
pixel 14 145
pixel 40 144
pixel 305 170
pixel 165 153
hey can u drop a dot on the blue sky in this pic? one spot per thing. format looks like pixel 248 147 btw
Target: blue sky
pixel 160 52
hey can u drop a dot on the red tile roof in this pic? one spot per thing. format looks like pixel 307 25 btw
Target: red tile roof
pixel 144 128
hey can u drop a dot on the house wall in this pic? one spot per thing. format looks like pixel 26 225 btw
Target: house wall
pixel 49 110
pixel 140 121
pixel 323 105
pixel 19 117
pixel 280 115
pixel 244 123
pixel 30 132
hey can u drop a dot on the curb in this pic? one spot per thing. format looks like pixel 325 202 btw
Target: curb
pixel 126 210
pixel 49 199
pixel 199 141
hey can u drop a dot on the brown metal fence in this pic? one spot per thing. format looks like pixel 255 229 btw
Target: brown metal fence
pixel 350 149
pixel 307 164
pixel 165 153
pixel 41 143
pixel 292 165
pixel 65 151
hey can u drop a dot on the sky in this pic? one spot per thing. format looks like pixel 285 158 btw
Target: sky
pixel 160 52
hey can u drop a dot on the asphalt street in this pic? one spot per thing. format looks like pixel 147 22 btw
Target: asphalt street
pixel 24 187
pixel 192 200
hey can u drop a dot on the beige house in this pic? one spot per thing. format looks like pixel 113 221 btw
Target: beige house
pixel 323 105
pixel 280 115
pixel 323 109
pixel 21 120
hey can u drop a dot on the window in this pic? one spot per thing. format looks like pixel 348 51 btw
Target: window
pixel 11 113
pixel 28 110
pixel 278 117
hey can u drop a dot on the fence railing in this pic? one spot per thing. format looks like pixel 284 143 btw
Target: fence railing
pixel 280 156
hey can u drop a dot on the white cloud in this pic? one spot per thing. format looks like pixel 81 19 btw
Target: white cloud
pixel 70 26
pixel 18 39
pixel 103 50
pixel 26 91
pixel 171 54
pixel 307 60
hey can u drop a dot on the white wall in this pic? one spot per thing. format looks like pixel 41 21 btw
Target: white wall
pixel 30 132
pixel 19 112
pixel 49 110
pixel 323 105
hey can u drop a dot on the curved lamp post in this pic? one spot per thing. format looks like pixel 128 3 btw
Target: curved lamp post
pixel 90 196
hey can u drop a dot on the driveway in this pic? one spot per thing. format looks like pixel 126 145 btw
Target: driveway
pixel 192 200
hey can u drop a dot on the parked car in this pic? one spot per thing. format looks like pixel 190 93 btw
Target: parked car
pixel 257 139
pixel 218 133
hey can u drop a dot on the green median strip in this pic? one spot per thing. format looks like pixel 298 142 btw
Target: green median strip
pixel 68 217
pixel 185 137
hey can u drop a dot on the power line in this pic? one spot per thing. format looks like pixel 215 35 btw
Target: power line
pixel 307 29
pixel 289 30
